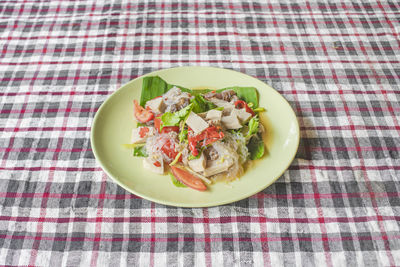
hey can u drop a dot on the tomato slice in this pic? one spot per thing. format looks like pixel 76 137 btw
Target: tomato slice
pixel 141 114
pixel 241 104
pixel 188 179
pixel 165 129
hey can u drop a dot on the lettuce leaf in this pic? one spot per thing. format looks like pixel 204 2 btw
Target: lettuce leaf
pixel 153 86
pixel 256 147
pixel 173 119
pixel 253 126
pixel 201 105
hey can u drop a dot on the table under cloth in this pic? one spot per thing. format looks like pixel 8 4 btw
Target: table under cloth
pixel 336 62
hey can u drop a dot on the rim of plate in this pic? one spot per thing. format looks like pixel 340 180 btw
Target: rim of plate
pixel 183 205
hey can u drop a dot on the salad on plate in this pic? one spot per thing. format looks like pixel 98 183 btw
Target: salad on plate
pixel 197 136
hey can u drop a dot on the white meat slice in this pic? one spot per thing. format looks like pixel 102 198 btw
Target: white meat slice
pixel 157 105
pixel 231 122
pixel 148 164
pixel 217 166
pixel 242 115
pixel 214 115
pixel 196 123
pixel 136 138
pixel 198 165
pixel 228 107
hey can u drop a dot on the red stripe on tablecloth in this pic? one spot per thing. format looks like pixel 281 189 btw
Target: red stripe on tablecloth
pixel 289 92
pixel 321 217
pixel 262 62
pixel 200 239
pixel 47 110
pixel 195 22
pixel 207 238
pixel 209 33
pixel 201 12
pixel 44 149
pixel 316 77
pixel 99 219
pixel 191 220
pixel 292 167
pixel 153 232
pixel 192 47
pixel 257 196
pixel 233 8
pixel 317 201
pixel 55 93
pixel 45 129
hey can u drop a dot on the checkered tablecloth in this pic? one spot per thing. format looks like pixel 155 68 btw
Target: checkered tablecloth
pixel 336 62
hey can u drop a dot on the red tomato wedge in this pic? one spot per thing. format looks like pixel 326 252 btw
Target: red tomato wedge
pixel 141 114
pixel 188 179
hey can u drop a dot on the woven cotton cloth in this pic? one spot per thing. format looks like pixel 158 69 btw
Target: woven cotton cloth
pixel 336 62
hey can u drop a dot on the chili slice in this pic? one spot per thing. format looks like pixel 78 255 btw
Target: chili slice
pixel 239 104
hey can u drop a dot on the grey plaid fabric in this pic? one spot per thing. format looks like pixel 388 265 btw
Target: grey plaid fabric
pixel 336 62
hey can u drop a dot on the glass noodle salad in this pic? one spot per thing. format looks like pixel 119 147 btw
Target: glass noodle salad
pixel 197 136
